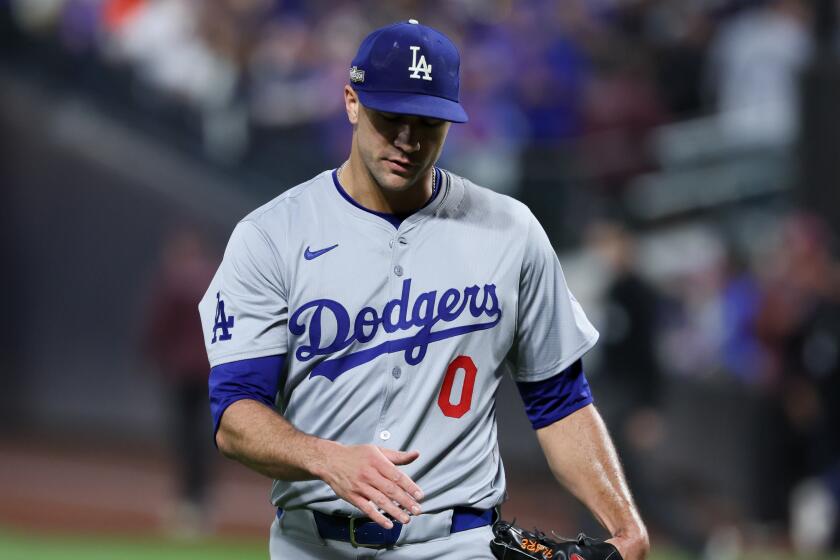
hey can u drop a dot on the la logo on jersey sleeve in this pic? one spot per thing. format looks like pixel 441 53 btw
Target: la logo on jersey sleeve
pixel 419 66
pixel 222 322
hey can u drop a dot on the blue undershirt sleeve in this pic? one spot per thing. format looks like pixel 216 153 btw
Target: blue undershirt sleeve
pixel 255 378
pixel 551 399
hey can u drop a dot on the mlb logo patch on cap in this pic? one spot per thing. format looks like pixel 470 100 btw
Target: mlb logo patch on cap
pixel 411 69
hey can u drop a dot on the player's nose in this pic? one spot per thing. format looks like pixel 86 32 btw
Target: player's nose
pixel 406 139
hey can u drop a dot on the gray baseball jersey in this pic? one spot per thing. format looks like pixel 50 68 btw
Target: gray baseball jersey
pixel 397 337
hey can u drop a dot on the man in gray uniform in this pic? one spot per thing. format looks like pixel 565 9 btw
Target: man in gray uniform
pixel 360 323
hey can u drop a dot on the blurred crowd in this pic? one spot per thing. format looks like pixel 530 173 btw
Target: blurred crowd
pixel 758 319
pixel 536 73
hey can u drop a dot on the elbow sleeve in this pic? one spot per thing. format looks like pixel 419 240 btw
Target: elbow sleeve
pixel 256 379
pixel 551 399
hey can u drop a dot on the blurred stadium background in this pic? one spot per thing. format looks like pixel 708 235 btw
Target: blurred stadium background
pixel 683 155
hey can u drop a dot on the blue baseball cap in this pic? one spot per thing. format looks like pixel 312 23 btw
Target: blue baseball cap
pixel 410 69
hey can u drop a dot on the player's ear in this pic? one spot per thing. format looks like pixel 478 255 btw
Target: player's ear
pixel 351 105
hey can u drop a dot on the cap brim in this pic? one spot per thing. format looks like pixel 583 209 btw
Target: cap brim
pixel 414 104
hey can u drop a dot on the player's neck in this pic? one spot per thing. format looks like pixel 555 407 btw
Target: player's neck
pixel 357 181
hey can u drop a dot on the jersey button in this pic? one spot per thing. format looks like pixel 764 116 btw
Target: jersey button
pixel 384 435
pixel 398 270
pixel 396 372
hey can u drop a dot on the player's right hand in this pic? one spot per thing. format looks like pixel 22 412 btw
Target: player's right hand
pixel 367 477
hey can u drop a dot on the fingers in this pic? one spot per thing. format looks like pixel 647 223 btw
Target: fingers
pixel 367 476
pixel 397 495
pixel 382 502
pixel 406 484
pixel 399 457
pixel 397 476
pixel 372 512
pixel 390 490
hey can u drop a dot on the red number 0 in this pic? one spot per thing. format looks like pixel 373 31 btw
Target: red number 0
pixel 457 410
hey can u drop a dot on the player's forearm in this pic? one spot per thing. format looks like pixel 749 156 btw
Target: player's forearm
pixel 261 439
pixel 583 458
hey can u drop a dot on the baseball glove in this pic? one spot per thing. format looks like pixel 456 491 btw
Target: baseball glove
pixel 512 543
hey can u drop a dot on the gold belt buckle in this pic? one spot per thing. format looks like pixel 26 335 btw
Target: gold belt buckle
pixel 353 541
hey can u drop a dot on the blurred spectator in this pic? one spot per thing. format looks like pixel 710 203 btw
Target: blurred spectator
pixel 678 34
pixel 488 147
pixel 174 342
pixel 693 340
pixel 163 39
pixel 628 333
pixel 630 382
pixel 799 322
pixel 36 15
pixel 754 67
pixel 741 353
pixel 80 26
pixel 621 107
pixel 550 74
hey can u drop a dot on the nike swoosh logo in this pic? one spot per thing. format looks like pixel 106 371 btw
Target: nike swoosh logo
pixel 309 255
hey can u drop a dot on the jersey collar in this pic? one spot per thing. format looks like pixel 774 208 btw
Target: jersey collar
pixel 397 220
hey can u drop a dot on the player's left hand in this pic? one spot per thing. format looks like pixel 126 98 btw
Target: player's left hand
pixel 514 543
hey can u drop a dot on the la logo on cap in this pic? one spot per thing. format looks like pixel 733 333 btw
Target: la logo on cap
pixel 419 66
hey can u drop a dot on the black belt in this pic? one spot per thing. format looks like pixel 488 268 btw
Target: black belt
pixel 362 532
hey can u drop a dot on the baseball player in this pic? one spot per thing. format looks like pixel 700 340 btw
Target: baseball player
pixel 360 323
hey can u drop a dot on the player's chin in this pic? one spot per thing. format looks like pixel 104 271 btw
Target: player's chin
pixel 397 176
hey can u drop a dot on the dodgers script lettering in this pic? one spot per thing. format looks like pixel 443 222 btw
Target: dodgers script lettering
pixel 401 314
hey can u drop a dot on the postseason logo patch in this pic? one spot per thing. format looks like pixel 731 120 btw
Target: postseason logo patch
pixel 357 76
pixel 425 312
